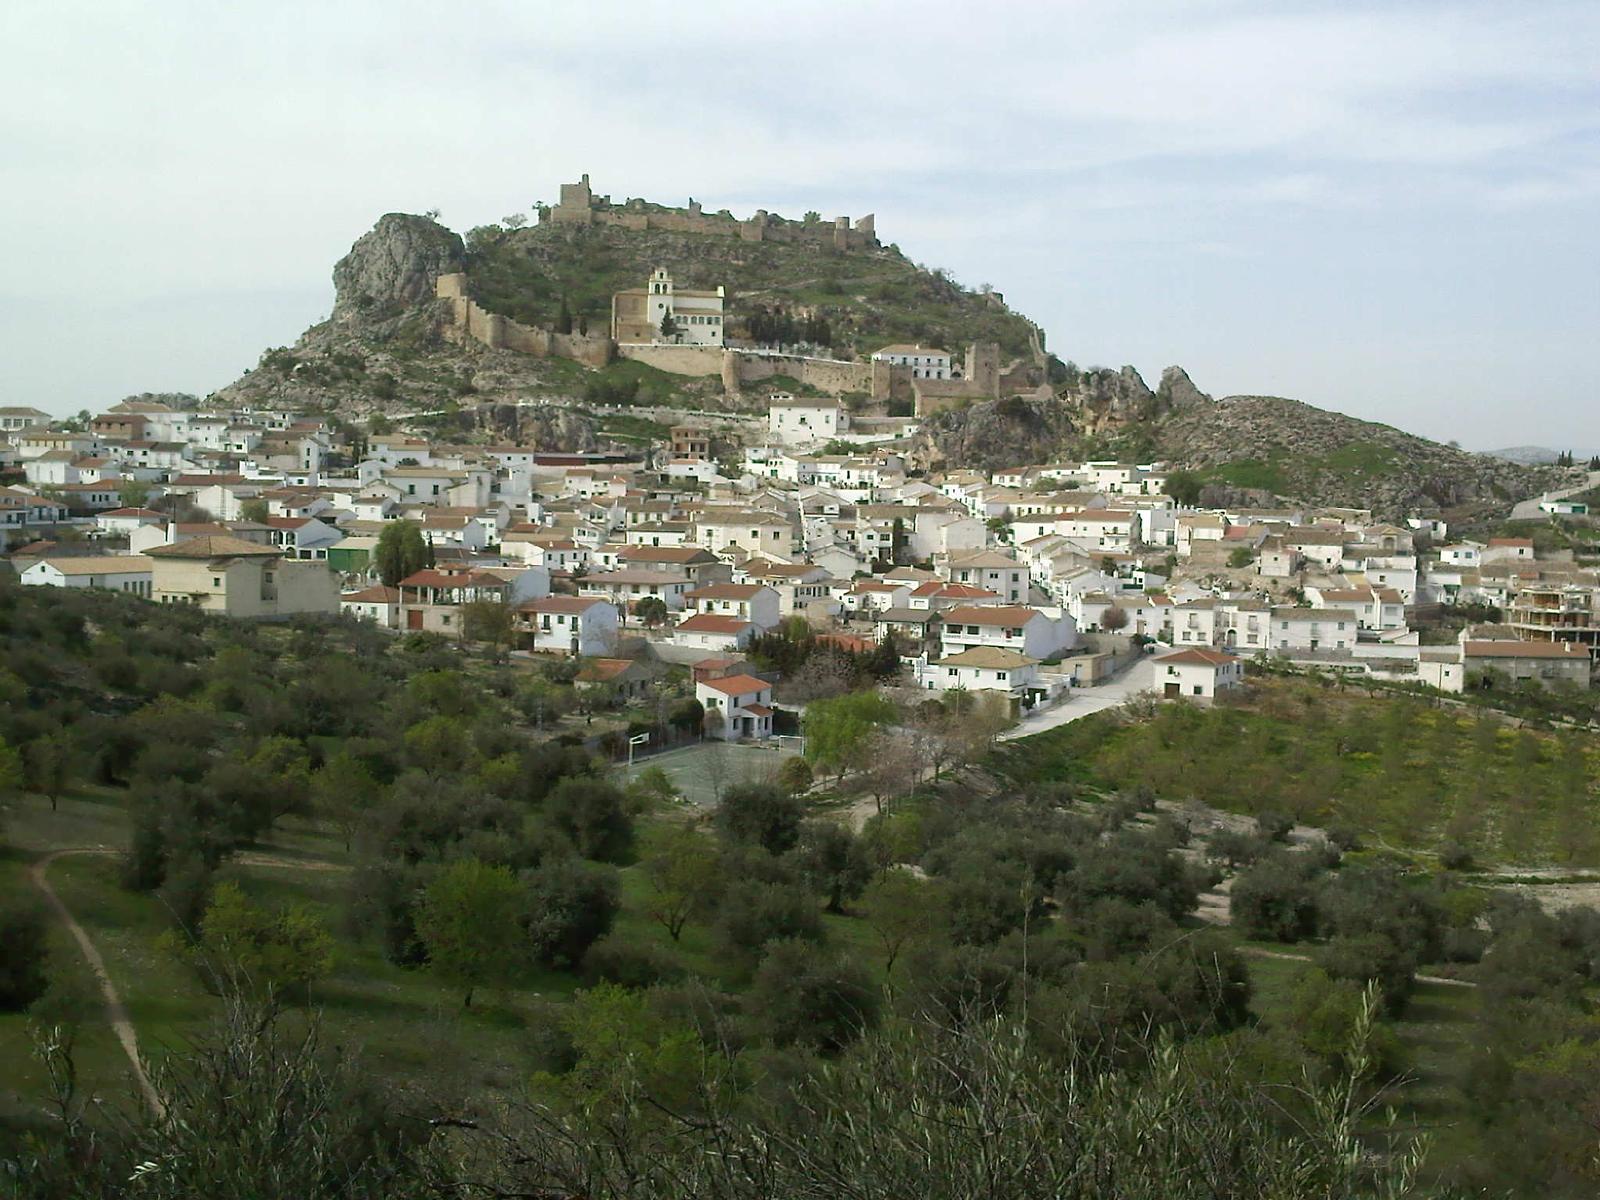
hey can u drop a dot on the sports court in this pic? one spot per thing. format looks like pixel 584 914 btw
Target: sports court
pixel 701 771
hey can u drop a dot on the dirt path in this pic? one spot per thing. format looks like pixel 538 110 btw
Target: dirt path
pixel 116 1013
pixel 1258 952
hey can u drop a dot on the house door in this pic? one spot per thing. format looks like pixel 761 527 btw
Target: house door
pixel 1172 691
pixel 414 618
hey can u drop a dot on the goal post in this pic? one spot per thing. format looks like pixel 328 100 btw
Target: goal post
pixel 791 743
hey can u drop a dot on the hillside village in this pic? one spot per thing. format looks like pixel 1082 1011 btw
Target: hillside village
pixel 1030 585
pixel 1026 583
pixel 719 644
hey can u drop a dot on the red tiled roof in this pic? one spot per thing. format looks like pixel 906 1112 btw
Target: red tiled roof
pixel 736 685
pixel 712 623
pixel 429 577
pixel 725 591
pixel 1198 657
pixel 372 595
pixel 1008 614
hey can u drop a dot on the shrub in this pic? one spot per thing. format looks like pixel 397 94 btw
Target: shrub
pixel 761 814
pixel 1275 900
pixel 754 913
pixel 568 906
pixel 1453 856
pixel 24 954
pixel 1275 827
pixel 1374 958
pixel 805 996
pixel 630 963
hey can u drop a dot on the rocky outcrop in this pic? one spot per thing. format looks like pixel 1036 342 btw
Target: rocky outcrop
pixel 394 266
pixel 1105 401
pixel 1176 390
pixel 996 433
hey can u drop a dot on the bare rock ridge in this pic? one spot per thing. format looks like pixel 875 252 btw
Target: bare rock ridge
pixel 396 264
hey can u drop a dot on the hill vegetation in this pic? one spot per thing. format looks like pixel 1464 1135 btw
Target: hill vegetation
pixel 865 298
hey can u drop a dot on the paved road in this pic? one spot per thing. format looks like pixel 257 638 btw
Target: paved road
pixel 1081 702
pixel 116 1013
pixel 1528 510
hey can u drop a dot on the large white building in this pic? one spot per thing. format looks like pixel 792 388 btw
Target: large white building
pixel 925 362
pixel 793 421
pixel 665 314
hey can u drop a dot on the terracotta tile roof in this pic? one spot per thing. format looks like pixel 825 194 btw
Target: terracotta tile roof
pixel 712 623
pixel 604 670
pixel 1511 649
pixel 372 595
pixel 214 546
pixel 1007 614
pixel 1198 657
pixel 736 685
pixel 989 658
pixel 727 591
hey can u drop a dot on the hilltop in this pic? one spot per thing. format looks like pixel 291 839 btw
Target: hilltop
pixel 828 289
pixel 387 345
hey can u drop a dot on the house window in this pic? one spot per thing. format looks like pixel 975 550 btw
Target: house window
pixel 216 581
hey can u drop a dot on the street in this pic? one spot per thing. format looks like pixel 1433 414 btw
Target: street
pixel 1081 702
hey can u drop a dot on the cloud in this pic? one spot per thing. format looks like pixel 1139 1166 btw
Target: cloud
pixel 1080 156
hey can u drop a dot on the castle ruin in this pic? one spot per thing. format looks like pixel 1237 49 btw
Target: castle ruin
pixel 579 205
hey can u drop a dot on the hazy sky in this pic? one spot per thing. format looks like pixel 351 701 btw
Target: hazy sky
pixel 1389 209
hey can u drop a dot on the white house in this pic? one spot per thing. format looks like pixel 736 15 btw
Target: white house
pixel 378 604
pixel 1313 629
pixel 708 631
pixel 576 625
pixel 627 587
pixel 1375 608
pixel 924 362
pixel 737 706
pixel 752 602
pixel 984 669
pixel 1000 573
pixel 794 420
pixel 1037 633
pixel 1197 672
pixel 117 572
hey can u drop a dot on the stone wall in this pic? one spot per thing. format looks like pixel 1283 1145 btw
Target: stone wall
pixel 828 375
pixel 579 206
pixel 698 361
pixel 502 333
pixel 736 368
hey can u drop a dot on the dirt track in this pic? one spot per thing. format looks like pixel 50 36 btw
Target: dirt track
pixel 116 1013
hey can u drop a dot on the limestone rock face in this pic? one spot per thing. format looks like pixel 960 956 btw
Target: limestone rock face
pixel 996 433
pixel 395 265
pixel 1177 390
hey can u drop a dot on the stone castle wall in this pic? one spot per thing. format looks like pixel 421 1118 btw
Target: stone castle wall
pixel 828 375
pixel 579 206
pixel 738 368
pixel 502 333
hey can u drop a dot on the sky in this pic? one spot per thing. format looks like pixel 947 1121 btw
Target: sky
pixel 1385 209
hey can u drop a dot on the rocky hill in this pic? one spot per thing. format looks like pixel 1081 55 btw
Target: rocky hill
pixel 384 349
pixel 1244 449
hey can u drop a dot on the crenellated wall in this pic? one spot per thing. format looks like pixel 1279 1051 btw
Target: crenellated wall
pixel 579 206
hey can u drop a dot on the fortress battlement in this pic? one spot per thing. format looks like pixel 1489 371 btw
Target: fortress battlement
pixel 580 206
